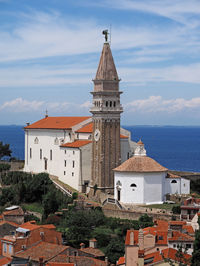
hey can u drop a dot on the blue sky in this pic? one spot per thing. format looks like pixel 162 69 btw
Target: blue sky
pixel 50 49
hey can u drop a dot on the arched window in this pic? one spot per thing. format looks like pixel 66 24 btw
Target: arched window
pixel 114 104
pixel 174 181
pixel 36 141
pixel 106 103
pixel 133 185
pixel 110 103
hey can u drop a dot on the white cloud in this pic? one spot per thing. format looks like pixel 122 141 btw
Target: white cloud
pixel 20 105
pixel 155 104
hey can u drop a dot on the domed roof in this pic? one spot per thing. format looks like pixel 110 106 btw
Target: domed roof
pixel 140 164
pixel 140 142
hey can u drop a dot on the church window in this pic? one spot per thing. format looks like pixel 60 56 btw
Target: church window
pixel 36 141
pixel 118 183
pixel 30 153
pixel 133 185
pixel 4 247
pixel 40 154
pixel 51 155
pixel 174 181
pixel 72 173
pixel 65 163
pixel 73 164
pixel 56 142
pixel 106 103
pixel 114 104
pixel 110 103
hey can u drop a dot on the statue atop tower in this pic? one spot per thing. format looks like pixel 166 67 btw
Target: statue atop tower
pixel 106 112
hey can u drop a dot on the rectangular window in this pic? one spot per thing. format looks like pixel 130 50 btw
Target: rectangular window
pixel 65 163
pixel 51 155
pixel 4 247
pixel 40 154
pixel 72 173
pixel 10 249
pixel 65 151
pixel 64 172
pixel 30 153
pixel 73 164
pixel 73 152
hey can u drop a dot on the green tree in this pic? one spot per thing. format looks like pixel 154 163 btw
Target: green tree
pixel 115 249
pixel 4 150
pixel 145 221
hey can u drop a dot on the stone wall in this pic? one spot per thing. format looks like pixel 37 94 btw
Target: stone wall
pixel 125 214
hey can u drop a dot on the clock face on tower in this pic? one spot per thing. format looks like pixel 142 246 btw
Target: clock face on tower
pixel 97 135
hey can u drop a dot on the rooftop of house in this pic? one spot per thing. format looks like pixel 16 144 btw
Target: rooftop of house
pixel 76 143
pixel 17 211
pixel 45 250
pixel 93 251
pixel 140 164
pixel 64 122
pixel 79 260
pixel 180 237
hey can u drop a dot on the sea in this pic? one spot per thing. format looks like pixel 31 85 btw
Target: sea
pixel 175 147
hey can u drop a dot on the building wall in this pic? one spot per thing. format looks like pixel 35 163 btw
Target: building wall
pixel 70 165
pixel 154 187
pixel 129 194
pixel 131 255
pixel 177 186
pixel 176 245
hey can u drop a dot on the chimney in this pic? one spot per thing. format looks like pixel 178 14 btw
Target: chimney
pixel 106 261
pixel 27 123
pixel 93 243
pixel 141 240
pixel 132 238
pixel 169 233
pixel 82 245
pixel 41 261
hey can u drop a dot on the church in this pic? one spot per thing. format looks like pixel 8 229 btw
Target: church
pixel 94 151
pixel 83 151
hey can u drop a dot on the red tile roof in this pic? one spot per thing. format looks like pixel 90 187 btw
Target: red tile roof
pixel 170 175
pixel 5 261
pixel 178 236
pixel 140 164
pixel 169 253
pixel 43 249
pixel 189 229
pixel 76 143
pixel 60 264
pixel 57 122
pixel 86 129
pixel 177 223
pixel 121 261
pixel 94 251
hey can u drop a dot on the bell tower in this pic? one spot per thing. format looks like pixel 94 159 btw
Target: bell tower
pixel 106 112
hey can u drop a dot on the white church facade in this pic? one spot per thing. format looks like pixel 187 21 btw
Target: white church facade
pixel 142 180
pixel 62 147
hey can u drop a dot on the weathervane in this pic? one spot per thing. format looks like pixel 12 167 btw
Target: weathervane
pixel 105 32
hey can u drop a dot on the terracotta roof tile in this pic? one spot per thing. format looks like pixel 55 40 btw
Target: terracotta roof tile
pixel 177 223
pixel 63 122
pixel 5 261
pixel 189 229
pixel 121 261
pixel 76 143
pixel 94 251
pixel 178 236
pixel 59 264
pixel 79 260
pixel 140 164
pixel 170 175
pixel 86 129
pixel 43 249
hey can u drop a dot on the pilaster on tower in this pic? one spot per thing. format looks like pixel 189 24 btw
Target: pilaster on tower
pixel 106 110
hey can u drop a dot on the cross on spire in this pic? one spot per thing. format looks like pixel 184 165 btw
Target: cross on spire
pixel 105 32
